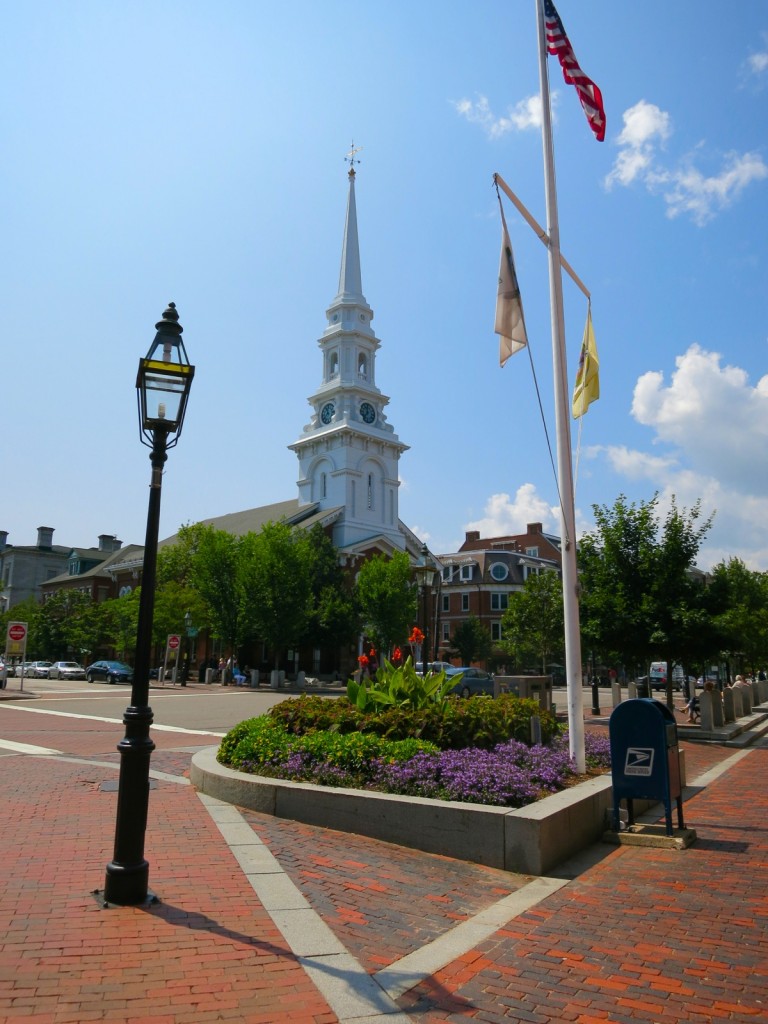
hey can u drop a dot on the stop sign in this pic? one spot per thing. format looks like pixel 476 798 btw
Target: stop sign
pixel 17 631
pixel 173 642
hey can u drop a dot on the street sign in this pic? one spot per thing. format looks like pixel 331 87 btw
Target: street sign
pixel 174 642
pixel 16 639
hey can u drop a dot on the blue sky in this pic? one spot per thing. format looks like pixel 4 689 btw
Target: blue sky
pixel 193 152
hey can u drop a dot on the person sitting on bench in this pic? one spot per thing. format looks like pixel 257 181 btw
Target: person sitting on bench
pixel 692 707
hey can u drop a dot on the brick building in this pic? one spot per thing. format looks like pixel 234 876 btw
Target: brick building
pixel 476 580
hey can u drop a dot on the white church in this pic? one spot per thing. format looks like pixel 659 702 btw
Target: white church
pixel 348 454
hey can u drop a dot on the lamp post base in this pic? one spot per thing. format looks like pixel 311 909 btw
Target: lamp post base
pixel 135 896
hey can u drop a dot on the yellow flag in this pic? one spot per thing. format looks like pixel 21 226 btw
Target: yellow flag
pixel 510 325
pixel 587 387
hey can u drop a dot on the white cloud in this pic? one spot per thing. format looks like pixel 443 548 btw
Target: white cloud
pixel 702 197
pixel 505 516
pixel 758 63
pixel 524 115
pixel 712 414
pixel 714 425
pixel 686 190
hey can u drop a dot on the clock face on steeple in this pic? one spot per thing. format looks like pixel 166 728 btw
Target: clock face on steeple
pixel 367 412
pixel 326 415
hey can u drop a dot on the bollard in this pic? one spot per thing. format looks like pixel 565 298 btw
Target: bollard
pixel 535 730
pixel 254 679
pixel 728 710
pixel 274 679
pixel 616 692
pixel 631 690
pixel 705 706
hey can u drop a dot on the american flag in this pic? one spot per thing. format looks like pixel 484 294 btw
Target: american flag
pixel 589 94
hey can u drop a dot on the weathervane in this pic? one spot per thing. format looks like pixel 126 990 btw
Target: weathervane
pixel 350 158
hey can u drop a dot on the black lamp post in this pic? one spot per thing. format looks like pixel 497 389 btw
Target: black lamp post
pixel 163 383
pixel 425 573
pixel 595 689
pixel 191 634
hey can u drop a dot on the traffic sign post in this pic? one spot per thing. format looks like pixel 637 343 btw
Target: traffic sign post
pixel 16 644
pixel 172 648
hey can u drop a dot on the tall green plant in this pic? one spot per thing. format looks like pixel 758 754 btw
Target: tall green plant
pixel 401 686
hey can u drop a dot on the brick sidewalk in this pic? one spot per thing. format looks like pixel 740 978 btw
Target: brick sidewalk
pixel 641 936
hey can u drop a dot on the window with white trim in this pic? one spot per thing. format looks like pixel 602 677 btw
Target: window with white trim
pixel 496 632
pixel 465 602
pixel 499 602
pixel 466 573
pixel 446 602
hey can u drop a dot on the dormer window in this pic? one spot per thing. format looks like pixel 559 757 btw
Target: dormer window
pixel 466 573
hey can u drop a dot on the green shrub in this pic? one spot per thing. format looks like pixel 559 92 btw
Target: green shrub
pixel 473 722
pixel 260 744
pixel 261 738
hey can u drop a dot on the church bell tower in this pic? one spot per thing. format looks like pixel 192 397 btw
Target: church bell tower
pixel 348 453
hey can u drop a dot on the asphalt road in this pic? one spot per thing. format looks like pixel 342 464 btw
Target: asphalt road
pixel 210 709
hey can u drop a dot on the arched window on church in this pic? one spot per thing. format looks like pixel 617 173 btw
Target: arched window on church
pixel 323 485
pixel 362 366
pixel 333 364
pixel 370 492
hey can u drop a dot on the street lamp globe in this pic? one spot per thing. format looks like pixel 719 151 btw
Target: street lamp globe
pixel 163 382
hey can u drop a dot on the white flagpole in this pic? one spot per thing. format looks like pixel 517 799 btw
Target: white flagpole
pixel 564 457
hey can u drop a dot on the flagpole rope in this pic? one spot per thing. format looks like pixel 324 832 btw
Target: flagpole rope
pixel 533 373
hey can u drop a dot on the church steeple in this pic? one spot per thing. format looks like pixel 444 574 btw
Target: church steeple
pixel 348 453
pixel 350 278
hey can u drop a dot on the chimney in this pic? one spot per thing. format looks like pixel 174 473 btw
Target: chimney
pixel 108 542
pixel 471 535
pixel 45 537
pixel 535 528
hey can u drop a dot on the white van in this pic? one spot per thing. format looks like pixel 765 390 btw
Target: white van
pixel 658 676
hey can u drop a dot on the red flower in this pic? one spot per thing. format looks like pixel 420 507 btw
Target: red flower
pixel 362 660
pixel 397 655
pixel 416 637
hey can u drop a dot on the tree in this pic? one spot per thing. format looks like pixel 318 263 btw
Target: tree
pixel 276 586
pixel 532 628
pixel 333 619
pixel 738 601
pixel 27 611
pixel 121 620
pixel 387 599
pixel 471 641
pixel 639 600
pixel 214 564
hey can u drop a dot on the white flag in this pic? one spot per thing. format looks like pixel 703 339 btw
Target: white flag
pixel 510 324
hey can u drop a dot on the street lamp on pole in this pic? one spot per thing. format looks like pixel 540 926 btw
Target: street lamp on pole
pixel 425 574
pixel 162 384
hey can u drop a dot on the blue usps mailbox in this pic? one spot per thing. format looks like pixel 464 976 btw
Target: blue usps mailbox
pixel 645 759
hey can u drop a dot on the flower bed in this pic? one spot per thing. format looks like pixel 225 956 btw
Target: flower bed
pixel 346 750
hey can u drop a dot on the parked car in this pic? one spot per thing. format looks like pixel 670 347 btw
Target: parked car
pixel 433 666
pixel 474 682
pixel 109 671
pixel 66 670
pixel 38 669
pixel 22 668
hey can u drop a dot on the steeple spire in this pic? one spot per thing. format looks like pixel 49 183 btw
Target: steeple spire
pixel 350 279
